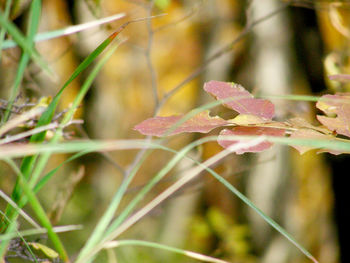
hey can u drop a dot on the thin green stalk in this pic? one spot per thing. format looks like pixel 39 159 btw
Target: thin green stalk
pixel 39 211
pixel 49 175
pixel 146 189
pixel 107 217
pixel 35 10
pixel 24 43
pixel 291 97
pixel 69 115
pixel 112 208
pixel 33 24
pixel 44 158
pixel 15 233
pixel 16 151
pixel 42 36
pixel 34 17
pixel 183 252
pixel 28 162
pixel 3 30
pixel 178 157
pixel 38 231
pixel 19 210
pixel 58 134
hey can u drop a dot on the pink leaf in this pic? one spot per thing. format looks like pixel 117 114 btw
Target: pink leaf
pixel 242 101
pixel 338 105
pixel 308 134
pixel 244 131
pixel 159 126
pixel 313 134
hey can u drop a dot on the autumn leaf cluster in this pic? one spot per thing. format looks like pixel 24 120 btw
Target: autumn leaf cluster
pixel 255 118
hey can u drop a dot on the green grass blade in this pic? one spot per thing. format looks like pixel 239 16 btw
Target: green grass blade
pixel 23 43
pixel 28 162
pixel 39 211
pixel 110 236
pixel 291 97
pixel 14 233
pixel 19 210
pixel 69 115
pixel 44 158
pixel 38 231
pixel 34 18
pixel 17 151
pixel 170 165
pixel 2 29
pixel 49 175
pixel 66 31
pixel 35 10
pixel 48 114
pixel 194 255
pixel 107 217
pixel 112 208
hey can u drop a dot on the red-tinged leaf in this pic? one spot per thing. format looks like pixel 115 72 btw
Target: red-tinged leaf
pixel 249 131
pixel 308 134
pixel 334 152
pixel 338 105
pixel 340 77
pixel 159 126
pixel 302 124
pixel 242 101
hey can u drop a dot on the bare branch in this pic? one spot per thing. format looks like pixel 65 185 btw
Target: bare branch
pixel 25 134
pixel 226 49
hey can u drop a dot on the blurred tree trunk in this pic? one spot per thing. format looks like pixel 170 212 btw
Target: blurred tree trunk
pixel 297 196
pixel 334 23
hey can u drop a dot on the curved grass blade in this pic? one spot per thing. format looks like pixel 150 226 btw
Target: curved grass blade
pixel 28 162
pixel 49 175
pixel 19 210
pixel 17 151
pixel 39 211
pixel 194 255
pixel 24 43
pixel 15 233
pixel 69 115
pixel 66 31
pixel 3 30
pixel 34 18
pixel 16 196
pixel 111 233
pixel 172 163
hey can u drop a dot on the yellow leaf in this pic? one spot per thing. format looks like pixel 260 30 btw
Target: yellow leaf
pixel 46 250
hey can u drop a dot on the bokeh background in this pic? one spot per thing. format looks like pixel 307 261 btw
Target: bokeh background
pixel 291 52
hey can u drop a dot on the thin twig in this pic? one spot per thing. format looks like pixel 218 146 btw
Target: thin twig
pixel 21 119
pixel 104 155
pixel 178 21
pixel 198 71
pixel 226 49
pixel 148 54
pixel 25 134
